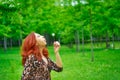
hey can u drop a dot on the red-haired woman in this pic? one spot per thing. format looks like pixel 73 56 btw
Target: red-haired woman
pixel 35 59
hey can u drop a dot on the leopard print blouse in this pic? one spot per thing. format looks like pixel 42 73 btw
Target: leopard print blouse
pixel 38 70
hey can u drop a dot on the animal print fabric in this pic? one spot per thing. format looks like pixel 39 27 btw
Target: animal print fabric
pixel 38 70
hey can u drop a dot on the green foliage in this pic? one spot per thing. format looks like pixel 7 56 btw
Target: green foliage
pixel 62 18
pixel 4 30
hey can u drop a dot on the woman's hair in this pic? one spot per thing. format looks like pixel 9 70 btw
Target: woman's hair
pixel 29 47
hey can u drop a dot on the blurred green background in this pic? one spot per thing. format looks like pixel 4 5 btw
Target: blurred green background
pixel 88 30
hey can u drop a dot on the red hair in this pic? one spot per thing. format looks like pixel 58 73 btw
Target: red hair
pixel 29 47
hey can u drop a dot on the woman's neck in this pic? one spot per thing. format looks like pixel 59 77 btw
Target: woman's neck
pixel 41 51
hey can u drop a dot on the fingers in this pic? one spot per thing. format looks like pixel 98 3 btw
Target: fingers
pixel 56 44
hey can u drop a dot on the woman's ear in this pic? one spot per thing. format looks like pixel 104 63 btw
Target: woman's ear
pixel 36 43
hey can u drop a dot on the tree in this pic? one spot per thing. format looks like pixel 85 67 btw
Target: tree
pixel 6 8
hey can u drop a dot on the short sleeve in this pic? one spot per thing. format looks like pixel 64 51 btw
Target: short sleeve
pixel 53 66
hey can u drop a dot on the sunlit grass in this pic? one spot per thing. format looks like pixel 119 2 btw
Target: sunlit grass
pixel 76 65
pixel 79 67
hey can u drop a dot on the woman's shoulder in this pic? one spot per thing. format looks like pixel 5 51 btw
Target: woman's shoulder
pixel 31 57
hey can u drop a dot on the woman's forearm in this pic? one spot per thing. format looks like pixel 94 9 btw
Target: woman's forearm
pixel 58 59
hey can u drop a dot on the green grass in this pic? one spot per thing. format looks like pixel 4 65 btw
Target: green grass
pixel 77 66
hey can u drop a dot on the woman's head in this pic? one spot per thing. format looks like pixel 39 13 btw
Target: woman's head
pixel 40 40
pixel 32 45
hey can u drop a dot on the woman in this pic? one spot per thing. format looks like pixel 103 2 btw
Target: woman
pixel 35 59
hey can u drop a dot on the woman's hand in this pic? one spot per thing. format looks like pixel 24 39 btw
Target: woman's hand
pixel 56 50
pixel 56 47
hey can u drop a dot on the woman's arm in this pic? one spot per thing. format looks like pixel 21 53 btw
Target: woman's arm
pixel 57 55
